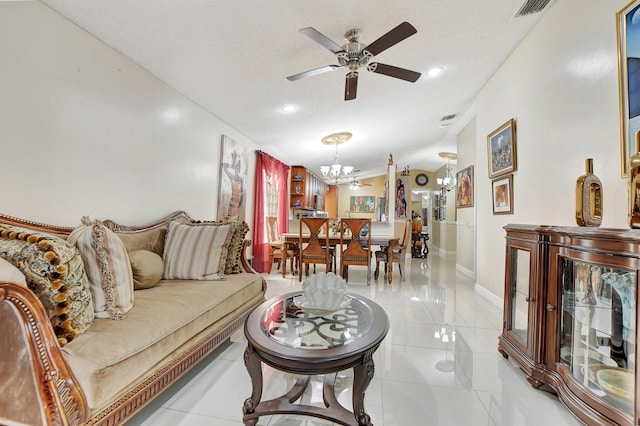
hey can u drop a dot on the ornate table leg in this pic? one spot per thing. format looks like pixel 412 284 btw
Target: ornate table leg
pixel 253 364
pixel 362 376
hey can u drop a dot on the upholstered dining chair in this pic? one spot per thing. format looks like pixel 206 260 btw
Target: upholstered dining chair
pixel 317 250
pixel 398 253
pixel 276 253
pixel 358 247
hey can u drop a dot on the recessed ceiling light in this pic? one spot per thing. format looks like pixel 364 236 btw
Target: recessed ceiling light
pixel 289 108
pixel 435 71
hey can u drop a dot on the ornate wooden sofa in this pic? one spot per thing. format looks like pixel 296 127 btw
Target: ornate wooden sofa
pixel 44 383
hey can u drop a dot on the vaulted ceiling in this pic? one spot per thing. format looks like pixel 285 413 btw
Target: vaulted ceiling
pixel 233 57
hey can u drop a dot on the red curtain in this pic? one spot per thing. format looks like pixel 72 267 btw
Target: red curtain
pixel 268 169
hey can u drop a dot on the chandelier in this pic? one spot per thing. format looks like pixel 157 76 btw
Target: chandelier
pixel 336 168
pixel 448 182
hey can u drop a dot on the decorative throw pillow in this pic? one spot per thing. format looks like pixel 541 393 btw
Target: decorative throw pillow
pixel 108 268
pixel 54 272
pixel 233 264
pixel 10 273
pixel 147 268
pixel 196 251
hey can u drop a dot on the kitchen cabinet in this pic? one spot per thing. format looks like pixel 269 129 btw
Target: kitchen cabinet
pixel 306 190
pixel 570 316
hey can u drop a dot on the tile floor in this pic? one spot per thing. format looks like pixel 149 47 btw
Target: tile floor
pixel 420 379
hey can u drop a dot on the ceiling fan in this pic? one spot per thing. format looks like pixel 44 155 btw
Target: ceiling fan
pixel 354 55
pixel 355 184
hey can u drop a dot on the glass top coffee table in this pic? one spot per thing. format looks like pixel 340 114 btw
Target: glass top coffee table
pixel 306 342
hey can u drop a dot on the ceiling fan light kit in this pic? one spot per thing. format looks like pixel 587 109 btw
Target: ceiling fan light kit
pixel 355 54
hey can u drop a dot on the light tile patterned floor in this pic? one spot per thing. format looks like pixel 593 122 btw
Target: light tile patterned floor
pixel 419 379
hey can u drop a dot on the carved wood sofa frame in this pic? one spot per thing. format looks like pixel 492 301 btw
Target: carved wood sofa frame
pixel 57 393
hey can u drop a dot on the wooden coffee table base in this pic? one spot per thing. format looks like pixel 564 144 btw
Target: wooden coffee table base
pixel 362 374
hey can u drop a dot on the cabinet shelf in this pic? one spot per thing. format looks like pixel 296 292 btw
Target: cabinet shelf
pixel 306 190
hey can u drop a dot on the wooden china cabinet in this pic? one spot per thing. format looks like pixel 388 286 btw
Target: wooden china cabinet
pixel 570 316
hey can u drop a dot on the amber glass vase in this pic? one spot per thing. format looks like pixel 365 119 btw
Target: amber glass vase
pixel 634 186
pixel 589 198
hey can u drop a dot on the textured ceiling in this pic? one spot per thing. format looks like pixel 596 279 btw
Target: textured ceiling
pixel 232 57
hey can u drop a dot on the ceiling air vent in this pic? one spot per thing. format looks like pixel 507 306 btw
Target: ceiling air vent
pixel 532 6
pixel 447 119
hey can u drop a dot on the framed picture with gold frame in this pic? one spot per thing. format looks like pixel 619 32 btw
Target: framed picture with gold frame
pixel 501 149
pixel 464 188
pixel 362 204
pixel 502 191
pixel 628 31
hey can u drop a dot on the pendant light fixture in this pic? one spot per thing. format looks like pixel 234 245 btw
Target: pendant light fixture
pixel 334 170
pixel 448 182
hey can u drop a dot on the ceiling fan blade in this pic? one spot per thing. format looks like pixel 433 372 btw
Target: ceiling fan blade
pixel 322 39
pixel 351 86
pixel 313 72
pixel 391 71
pixel 394 36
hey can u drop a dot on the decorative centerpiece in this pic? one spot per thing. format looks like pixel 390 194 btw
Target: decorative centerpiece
pixel 323 293
pixel 589 197
pixel 634 186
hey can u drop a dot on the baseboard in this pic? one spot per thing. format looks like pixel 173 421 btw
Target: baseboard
pixel 444 253
pixel 492 298
pixel 466 272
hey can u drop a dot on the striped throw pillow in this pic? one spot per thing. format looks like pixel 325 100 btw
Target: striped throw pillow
pixel 196 251
pixel 108 268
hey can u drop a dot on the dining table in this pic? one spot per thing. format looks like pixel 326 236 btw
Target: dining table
pixel 386 242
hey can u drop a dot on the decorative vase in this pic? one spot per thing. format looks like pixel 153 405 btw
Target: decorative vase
pixel 634 186
pixel 589 198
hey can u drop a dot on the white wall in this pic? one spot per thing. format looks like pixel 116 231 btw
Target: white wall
pixel 85 131
pixel 465 218
pixel 560 84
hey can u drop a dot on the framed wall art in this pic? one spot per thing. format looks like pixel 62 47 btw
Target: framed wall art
pixel 628 31
pixel 402 187
pixel 502 191
pixel 362 204
pixel 464 188
pixel 501 149
pixel 234 159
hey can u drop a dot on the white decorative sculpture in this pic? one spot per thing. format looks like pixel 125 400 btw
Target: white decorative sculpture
pixel 324 291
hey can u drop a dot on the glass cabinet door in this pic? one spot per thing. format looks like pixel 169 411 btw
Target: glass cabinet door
pixel 520 295
pixel 518 317
pixel 597 325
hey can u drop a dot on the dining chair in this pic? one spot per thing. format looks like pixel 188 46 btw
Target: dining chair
pixel 358 246
pixel 398 253
pixel 317 250
pixel 276 252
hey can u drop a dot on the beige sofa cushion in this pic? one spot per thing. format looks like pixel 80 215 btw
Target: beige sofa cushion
pixel 54 272
pixel 146 267
pixel 108 268
pixel 112 354
pixel 152 240
pixel 196 251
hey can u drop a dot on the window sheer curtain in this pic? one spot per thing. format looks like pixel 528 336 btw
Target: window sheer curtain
pixel 268 170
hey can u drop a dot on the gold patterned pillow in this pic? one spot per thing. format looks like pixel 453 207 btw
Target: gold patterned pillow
pixel 233 264
pixel 54 272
